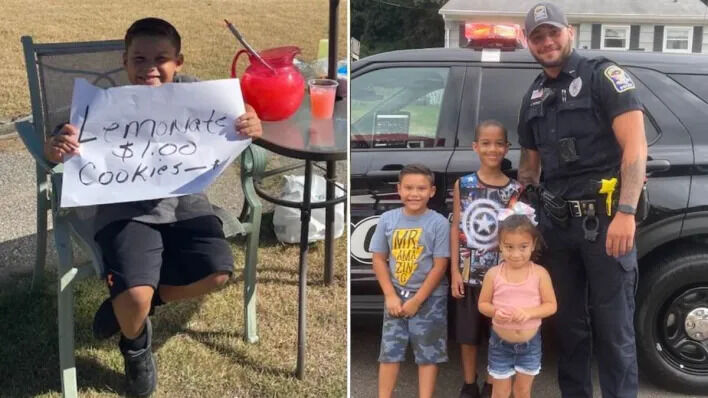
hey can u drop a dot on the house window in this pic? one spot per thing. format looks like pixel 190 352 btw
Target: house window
pixel 615 37
pixel 677 39
pixel 576 40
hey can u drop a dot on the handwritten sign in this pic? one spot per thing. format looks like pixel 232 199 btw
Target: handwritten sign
pixel 141 142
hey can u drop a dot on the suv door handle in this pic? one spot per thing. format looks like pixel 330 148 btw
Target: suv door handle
pixel 382 173
pixel 389 170
pixel 655 165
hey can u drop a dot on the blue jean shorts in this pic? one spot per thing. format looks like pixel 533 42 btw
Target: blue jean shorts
pixel 426 331
pixel 505 359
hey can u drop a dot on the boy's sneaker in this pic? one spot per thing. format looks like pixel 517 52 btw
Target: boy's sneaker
pixel 105 323
pixel 486 391
pixel 469 391
pixel 140 370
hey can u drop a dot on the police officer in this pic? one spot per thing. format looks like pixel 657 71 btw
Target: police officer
pixel 581 122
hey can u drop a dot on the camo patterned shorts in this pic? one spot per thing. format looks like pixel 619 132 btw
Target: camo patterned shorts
pixel 426 331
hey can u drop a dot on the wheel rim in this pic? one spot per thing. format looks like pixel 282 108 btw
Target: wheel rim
pixel 679 325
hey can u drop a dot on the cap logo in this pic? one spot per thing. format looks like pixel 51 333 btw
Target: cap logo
pixel 540 13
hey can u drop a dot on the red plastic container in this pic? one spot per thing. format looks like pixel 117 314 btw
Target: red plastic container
pixel 274 96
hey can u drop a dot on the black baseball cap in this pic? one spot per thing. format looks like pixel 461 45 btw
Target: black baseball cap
pixel 544 13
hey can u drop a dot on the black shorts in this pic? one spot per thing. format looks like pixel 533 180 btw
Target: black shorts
pixel 179 253
pixel 471 327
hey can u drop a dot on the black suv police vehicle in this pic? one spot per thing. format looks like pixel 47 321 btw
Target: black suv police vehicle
pixel 422 106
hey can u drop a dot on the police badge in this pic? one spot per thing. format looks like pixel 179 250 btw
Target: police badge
pixel 575 86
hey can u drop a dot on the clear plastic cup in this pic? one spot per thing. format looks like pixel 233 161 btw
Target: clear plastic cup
pixel 322 93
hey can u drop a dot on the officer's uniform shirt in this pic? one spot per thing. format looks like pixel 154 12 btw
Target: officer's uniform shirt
pixel 578 105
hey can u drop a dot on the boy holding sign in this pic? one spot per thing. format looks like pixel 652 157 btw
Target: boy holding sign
pixel 154 251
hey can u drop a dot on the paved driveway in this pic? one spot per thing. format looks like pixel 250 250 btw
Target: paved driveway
pixel 365 335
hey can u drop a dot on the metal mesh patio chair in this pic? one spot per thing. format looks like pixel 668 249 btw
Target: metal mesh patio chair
pixel 51 70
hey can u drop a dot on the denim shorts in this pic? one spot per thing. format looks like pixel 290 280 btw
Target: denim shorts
pixel 426 331
pixel 505 359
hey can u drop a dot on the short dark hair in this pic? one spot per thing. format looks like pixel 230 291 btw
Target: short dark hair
pixel 154 27
pixel 416 168
pixel 490 123
pixel 521 222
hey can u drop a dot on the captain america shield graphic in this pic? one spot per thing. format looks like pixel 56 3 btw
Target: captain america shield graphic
pixel 479 223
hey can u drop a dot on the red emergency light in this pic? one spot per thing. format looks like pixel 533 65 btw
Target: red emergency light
pixel 487 35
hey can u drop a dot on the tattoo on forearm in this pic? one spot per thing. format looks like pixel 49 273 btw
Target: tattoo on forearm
pixel 528 173
pixel 632 181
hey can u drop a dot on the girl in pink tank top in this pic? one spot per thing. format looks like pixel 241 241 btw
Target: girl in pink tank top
pixel 516 294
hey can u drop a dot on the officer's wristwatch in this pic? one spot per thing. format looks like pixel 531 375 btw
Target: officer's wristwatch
pixel 626 209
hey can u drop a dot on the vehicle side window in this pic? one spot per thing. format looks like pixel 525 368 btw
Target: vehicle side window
pixel 697 84
pixel 650 129
pixel 397 107
pixel 648 100
pixel 500 99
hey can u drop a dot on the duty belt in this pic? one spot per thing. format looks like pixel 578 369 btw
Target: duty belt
pixel 559 210
pixel 580 208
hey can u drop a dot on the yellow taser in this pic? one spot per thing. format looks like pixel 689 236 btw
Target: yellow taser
pixel 607 188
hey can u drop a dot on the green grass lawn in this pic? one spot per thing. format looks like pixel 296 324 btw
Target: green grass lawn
pixel 207 45
pixel 199 344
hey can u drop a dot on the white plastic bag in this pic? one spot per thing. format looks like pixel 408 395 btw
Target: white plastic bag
pixel 286 220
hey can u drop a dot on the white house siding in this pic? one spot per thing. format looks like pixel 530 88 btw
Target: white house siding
pixel 452 31
pixel 646 33
pixel 585 37
pixel 646 37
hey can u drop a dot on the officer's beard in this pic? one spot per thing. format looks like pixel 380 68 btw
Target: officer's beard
pixel 565 54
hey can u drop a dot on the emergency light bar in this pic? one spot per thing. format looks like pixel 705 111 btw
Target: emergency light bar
pixel 486 35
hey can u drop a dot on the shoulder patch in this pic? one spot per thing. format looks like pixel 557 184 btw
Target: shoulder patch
pixel 619 79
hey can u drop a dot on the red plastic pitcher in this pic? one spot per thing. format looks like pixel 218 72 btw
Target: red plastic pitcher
pixel 274 95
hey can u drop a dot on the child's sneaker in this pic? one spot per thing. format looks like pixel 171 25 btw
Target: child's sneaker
pixel 469 391
pixel 140 370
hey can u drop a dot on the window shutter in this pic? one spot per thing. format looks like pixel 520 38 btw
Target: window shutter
pixel 596 35
pixel 463 39
pixel 634 37
pixel 697 39
pixel 658 38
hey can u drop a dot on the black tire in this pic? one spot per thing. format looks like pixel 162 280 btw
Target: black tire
pixel 670 280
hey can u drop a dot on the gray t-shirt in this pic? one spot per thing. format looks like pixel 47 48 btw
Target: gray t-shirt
pixel 411 243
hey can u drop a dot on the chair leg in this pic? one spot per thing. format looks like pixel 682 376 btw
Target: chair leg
pixel 252 162
pixel 245 211
pixel 65 308
pixel 249 291
pixel 42 208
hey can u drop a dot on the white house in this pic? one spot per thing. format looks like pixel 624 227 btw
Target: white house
pixel 677 26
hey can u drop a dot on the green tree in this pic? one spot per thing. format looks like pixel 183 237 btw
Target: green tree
pixel 385 25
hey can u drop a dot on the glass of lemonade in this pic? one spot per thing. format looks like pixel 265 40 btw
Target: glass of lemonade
pixel 322 93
